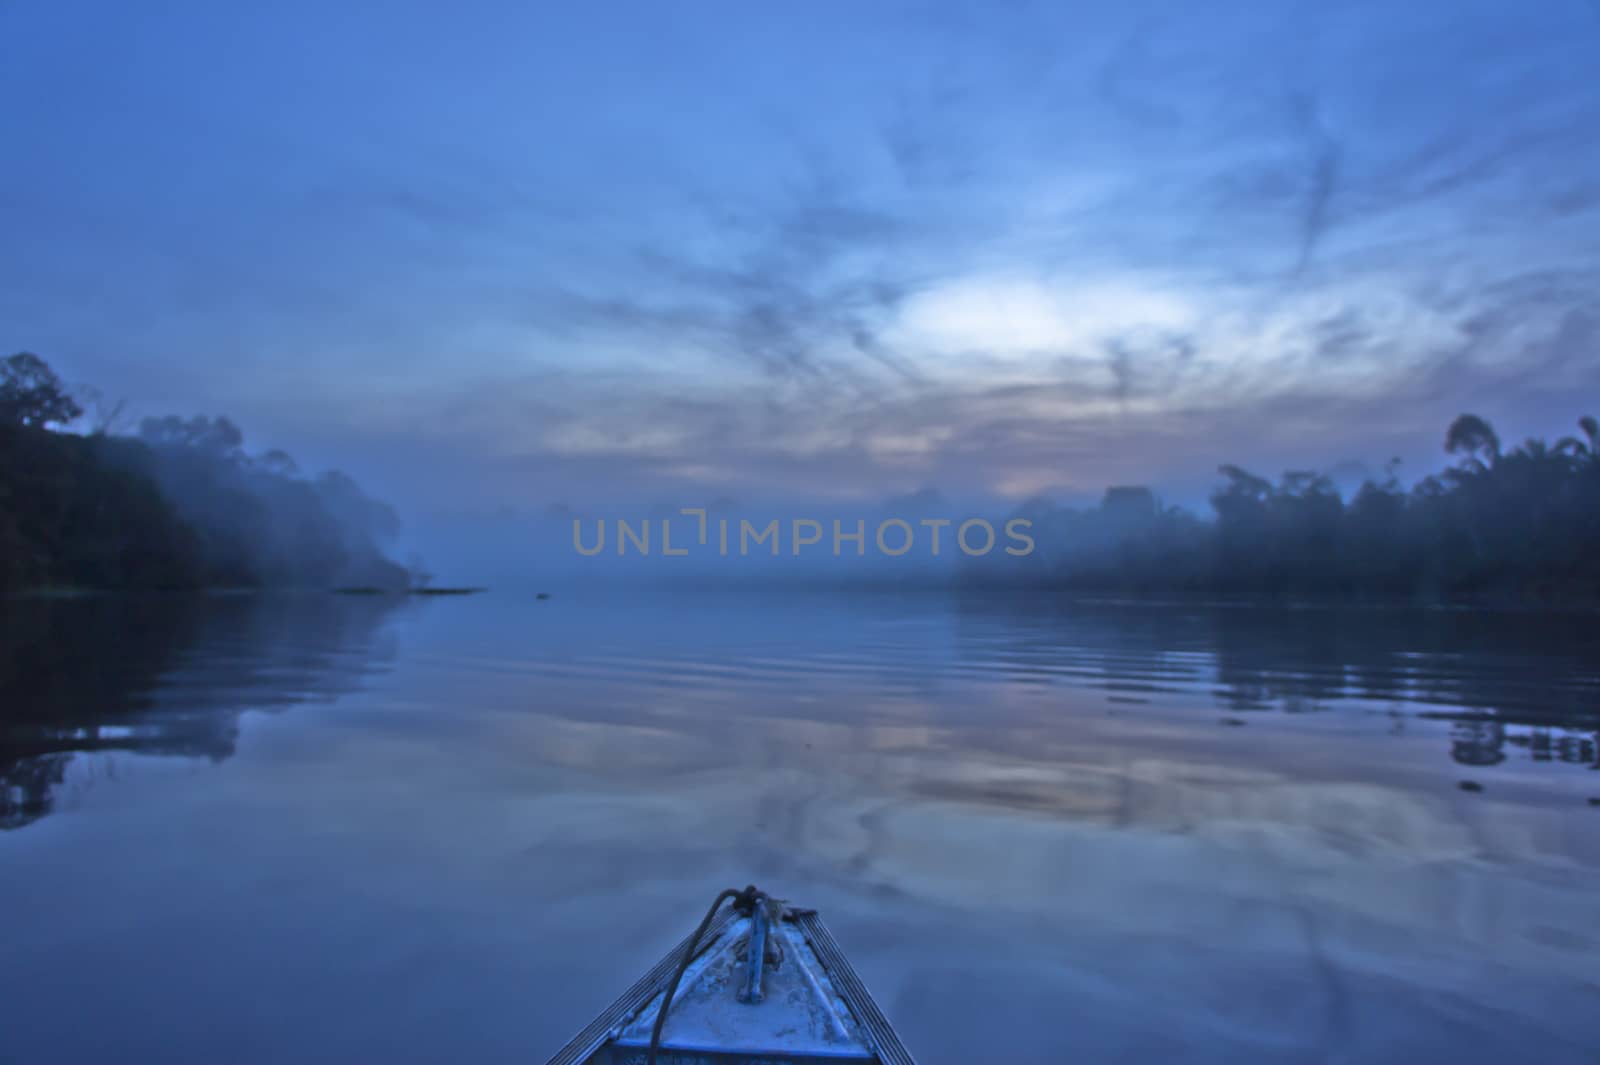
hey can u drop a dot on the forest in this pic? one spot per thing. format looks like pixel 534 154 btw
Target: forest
pixel 1519 524
pixel 181 504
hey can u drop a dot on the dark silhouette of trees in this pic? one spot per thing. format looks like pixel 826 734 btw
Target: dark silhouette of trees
pixel 74 511
pixel 1522 523
pixel 1588 448
pixel 181 505
pixel 32 395
pixel 220 439
pixel 1471 436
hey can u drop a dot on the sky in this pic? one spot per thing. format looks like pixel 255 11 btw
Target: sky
pixel 489 255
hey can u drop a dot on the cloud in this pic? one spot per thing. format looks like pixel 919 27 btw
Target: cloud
pixel 1323 160
pixel 1038 248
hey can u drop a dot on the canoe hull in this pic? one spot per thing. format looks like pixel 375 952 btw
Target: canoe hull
pixel 815 1010
pixel 634 1056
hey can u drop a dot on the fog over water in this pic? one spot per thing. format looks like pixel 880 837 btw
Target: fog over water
pixel 321 828
pixel 332 333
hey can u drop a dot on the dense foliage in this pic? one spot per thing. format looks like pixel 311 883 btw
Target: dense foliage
pixel 181 505
pixel 1523 523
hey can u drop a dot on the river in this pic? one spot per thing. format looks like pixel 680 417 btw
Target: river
pixel 324 829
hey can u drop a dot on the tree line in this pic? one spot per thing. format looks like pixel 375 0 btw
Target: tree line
pixel 181 504
pixel 1520 523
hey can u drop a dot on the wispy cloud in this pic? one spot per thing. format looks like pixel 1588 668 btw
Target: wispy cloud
pixel 1024 249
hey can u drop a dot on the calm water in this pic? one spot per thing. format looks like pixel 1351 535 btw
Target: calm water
pixel 320 829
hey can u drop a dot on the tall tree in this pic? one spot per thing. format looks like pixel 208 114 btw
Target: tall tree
pixel 1473 437
pixel 1589 448
pixel 31 393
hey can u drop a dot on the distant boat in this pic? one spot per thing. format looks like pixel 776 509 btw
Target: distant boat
pixel 758 983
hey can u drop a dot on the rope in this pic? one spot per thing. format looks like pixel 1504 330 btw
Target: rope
pixel 745 900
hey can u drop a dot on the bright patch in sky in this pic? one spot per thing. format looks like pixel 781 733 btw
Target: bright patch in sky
pixel 627 251
pixel 1034 320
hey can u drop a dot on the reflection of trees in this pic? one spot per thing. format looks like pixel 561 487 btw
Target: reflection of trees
pixel 1502 679
pixel 1571 747
pixel 1479 742
pixel 161 675
pixel 1482 741
pixel 26 786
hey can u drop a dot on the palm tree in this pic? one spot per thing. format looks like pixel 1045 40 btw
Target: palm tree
pixel 1471 436
pixel 1589 449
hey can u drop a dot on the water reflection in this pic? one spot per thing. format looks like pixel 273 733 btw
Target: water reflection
pixel 162 675
pixel 1010 812
pixel 1525 680
pixel 171 675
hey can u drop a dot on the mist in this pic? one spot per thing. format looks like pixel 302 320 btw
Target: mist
pixel 260 521
pixel 181 505
pixel 1100 499
pixel 1506 524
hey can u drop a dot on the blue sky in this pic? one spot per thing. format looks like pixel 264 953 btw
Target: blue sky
pixel 487 254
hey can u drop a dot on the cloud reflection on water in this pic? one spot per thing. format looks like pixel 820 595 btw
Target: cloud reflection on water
pixel 539 795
